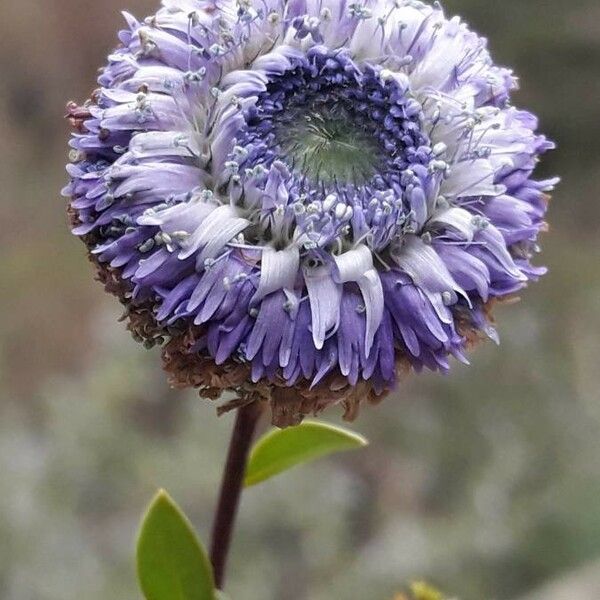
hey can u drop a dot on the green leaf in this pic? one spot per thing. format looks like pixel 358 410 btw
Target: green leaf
pixel 423 591
pixel 171 562
pixel 281 449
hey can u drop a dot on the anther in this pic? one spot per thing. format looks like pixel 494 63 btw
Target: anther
pixel 217 50
pixel 359 12
pixel 329 202
pixel 206 195
pixel 274 18
pixel 340 211
pixel 232 166
pixel 447 298
pixel 146 246
pixel 439 149
pixel 239 152
pixel 180 236
pixel 326 14
pixel 480 222
pixel 299 208
pixel 76 156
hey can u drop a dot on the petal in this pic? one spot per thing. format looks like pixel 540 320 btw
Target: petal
pixel 357 265
pixel 350 335
pixel 278 270
pixel 218 228
pixel 372 292
pixel 494 243
pixel 164 143
pixel 161 179
pixel 268 329
pixel 352 265
pixel 424 266
pixel 469 271
pixel 324 295
pixel 182 217
pixel 225 234
pixel 457 218
pixel 471 178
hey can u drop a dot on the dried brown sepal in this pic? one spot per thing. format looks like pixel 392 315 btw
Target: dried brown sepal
pixel 467 329
pixel 289 404
pixel 78 115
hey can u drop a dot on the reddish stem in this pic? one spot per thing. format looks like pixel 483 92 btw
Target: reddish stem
pixel 231 487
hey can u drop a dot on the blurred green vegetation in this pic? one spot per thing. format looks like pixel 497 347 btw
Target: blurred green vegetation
pixel 485 482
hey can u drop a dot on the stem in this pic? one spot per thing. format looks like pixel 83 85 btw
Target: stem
pixel 231 487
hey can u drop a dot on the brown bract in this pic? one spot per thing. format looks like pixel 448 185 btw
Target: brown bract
pixel 289 404
pixel 78 115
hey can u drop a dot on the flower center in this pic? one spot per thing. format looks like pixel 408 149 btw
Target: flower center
pixel 334 123
pixel 327 143
pixel 328 139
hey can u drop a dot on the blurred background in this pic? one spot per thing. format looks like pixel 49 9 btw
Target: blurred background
pixel 486 483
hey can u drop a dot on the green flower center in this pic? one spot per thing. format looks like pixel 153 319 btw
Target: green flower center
pixel 328 145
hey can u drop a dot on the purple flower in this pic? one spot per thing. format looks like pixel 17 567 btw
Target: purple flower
pixel 301 196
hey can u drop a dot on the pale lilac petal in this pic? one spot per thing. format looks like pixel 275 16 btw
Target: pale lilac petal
pixel 357 265
pixel 459 219
pixel 324 295
pixel 471 178
pixel 424 266
pixel 218 228
pixel 278 270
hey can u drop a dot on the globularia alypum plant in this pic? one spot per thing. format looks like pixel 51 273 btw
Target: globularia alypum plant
pixel 300 200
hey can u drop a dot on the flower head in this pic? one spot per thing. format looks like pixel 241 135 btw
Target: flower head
pixel 301 196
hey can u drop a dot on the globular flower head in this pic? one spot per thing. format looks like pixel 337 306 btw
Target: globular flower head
pixel 301 197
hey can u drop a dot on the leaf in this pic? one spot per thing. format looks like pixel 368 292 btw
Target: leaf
pixel 281 449
pixel 221 596
pixel 423 591
pixel 171 562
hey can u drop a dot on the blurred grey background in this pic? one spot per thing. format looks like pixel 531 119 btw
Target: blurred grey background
pixel 486 482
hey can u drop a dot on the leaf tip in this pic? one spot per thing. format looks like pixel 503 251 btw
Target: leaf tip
pixel 162 495
pixel 362 440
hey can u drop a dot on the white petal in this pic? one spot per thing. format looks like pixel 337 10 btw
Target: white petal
pixel 164 143
pixel 457 218
pixel 353 264
pixel 357 265
pixel 495 244
pixel 427 270
pixel 157 78
pixel 220 226
pixel 325 296
pixel 372 292
pixel 471 178
pixel 278 270
pixel 440 61
pixel 182 217
pixel 366 41
pixel 224 235
pixel 275 62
